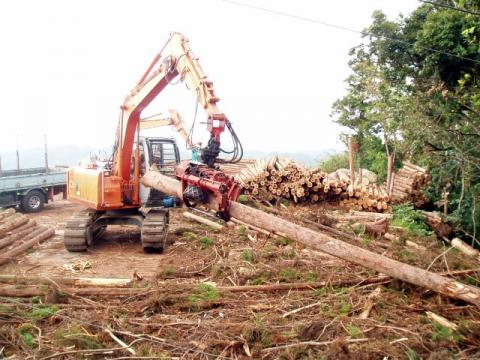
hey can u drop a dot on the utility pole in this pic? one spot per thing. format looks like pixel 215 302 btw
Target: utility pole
pixel 18 159
pixel 46 154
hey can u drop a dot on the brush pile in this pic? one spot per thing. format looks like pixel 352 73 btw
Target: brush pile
pixel 18 233
pixel 408 183
pixel 271 179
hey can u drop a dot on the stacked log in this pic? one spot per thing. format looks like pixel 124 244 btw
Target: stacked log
pixel 270 179
pixel 408 183
pixel 273 178
pixel 369 197
pixel 233 169
pixel 18 233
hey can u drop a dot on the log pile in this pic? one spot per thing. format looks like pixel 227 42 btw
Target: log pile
pixel 270 179
pixel 274 178
pixel 18 233
pixel 407 184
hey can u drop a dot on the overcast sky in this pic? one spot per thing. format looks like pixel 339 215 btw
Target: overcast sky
pixel 66 66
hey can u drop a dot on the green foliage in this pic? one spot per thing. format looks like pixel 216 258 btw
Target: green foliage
pixel 247 255
pixel 41 312
pixel 258 281
pixel 289 275
pixel 334 162
pixel 443 333
pixel 189 235
pixel 283 241
pixel 345 308
pixel 75 335
pixel 405 98
pixel 243 199
pixel 412 355
pixel 204 293
pixel 26 332
pixel 353 331
pixel 410 219
pixel 259 333
pixel 242 230
pixel 206 242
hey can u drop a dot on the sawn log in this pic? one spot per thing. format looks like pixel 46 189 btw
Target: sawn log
pixel 332 246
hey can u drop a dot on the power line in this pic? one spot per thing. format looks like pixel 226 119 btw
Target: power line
pixel 445 6
pixel 344 28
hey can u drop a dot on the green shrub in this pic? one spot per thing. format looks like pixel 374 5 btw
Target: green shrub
pixel 410 219
pixel 206 242
pixel 247 255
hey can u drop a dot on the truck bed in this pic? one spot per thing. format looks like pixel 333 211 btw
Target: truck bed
pixel 30 178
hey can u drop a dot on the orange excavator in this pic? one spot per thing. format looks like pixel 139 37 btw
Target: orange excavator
pixel 112 193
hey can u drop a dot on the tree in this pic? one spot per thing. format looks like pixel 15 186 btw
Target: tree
pixel 415 86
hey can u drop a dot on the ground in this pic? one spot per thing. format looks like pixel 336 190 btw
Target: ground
pixel 182 304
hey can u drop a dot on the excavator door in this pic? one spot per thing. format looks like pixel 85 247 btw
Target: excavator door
pixel 163 154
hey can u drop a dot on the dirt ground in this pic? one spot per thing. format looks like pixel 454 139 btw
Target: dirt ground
pixel 118 253
pixel 182 305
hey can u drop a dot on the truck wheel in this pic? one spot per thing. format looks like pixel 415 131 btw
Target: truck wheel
pixel 33 201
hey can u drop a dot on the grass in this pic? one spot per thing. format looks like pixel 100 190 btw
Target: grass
pixel 247 255
pixel 206 242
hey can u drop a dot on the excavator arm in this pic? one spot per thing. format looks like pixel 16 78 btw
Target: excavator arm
pixel 173 120
pixel 161 72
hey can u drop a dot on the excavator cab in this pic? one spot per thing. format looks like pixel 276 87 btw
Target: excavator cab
pixel 161 153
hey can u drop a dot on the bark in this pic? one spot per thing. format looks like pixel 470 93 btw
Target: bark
pixel 76 281
pixel 342 250
pixel 21 233
pixel 6 213
pixel 351 160
pixel 9 255
pixel 12 223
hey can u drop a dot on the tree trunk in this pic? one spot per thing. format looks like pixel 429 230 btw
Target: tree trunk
pixel 340 249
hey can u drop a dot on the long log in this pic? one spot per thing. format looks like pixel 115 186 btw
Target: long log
pixel 6 213
pixel 48 232
pixel 14 223
pixel 340 249
pixel 202 220
pixel 21 233
pixel 75 281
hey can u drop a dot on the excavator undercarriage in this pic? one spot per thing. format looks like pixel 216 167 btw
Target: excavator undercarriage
pixel 86 226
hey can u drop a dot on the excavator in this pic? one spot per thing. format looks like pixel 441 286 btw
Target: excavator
pixel 112 193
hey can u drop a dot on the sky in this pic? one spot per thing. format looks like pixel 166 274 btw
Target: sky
pixel 66 67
